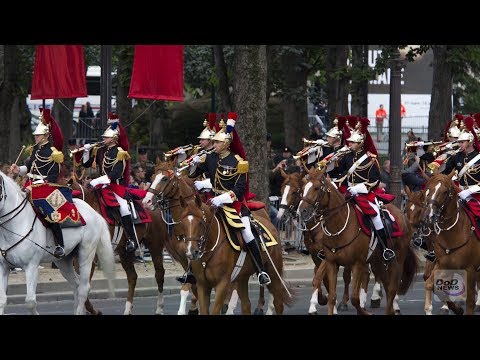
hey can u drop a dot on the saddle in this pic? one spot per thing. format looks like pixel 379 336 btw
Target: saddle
pixel 391 227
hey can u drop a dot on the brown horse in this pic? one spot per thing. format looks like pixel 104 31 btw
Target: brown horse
pixel 347 245
pixel 455 242
pixel 153 235
pixel 166 190
pixel 213 259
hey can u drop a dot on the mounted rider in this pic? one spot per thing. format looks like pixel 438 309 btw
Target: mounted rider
pixel 114 167
pixel 226 173
pixel 51 200
pixel 361 171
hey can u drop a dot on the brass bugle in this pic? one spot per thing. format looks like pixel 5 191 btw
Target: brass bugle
pixel 175 151
pixel 318 142
pixel 423 143
pixel 74 151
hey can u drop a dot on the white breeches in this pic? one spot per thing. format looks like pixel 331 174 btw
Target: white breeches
pixel 247 232
pixel 124 208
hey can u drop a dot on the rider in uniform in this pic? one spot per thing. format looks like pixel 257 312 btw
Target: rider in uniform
pixel 114 168
pixel 43 168
pixel 361 171
pixel 227 178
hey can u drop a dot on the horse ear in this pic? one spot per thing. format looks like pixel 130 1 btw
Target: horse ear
pixel 408 191
pixel 198 201
pixel 283 173
pixel 451 174
pixel 182 202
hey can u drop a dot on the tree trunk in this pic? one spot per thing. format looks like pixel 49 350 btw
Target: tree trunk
pixel 441 101
pixel 295 98
pixel 337 81
pixel 9 122
pixel 359 85
pixel 250 72
pixel 221 71
pixel 63 114
pixel 124 104
pixel 157 118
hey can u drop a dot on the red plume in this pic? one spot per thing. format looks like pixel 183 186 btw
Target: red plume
pixel 477 119
pixel 352 122
pixel 468 123
pixel 342 125
pixel 445 136
pixel 55 131
pixel 368 144
pixel 212 119
pixel 459 117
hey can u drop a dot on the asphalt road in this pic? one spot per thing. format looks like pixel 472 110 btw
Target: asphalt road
pixel 411 304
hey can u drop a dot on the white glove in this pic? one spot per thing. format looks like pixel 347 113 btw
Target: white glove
pixel 420 143
pixel 87 147
pixel 358 189
pixel 321 142
pixel 219 200
pixel 23 170
pixel 312 150
pixel 102 180
pixel 449 146
pixel 203 184
pixel 181 151
pixel 196 159
pixel 464 194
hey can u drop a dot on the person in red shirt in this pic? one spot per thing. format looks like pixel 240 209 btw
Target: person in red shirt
pixel 403 112
pixel 380 116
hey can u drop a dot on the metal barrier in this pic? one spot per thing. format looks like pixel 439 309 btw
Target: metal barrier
pixel 290 236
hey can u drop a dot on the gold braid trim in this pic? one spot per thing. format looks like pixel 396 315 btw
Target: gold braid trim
pixel 29 149
pixel 242 166
pixel 56 156
pixel 122 154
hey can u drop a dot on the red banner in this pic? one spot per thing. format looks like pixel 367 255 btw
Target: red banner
pixel 59 72
pixel 157 73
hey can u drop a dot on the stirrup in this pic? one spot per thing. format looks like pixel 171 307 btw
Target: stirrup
pixel 431 256
pixel 266 279
pixel 388 254
pixel 59 252
pixel 418 241
pixel 130 246
pixel 321 255
pixel 187 278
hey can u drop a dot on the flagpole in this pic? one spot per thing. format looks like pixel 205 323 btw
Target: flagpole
pixel 105 83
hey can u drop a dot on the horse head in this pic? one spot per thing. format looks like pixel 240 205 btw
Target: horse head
pixel 415 207
pixel 191 227
pixel 440 195
pixel 163 187
pixel 316 194
pixel 7 188
pixel 291 193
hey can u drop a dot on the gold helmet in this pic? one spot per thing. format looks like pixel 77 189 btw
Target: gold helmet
pixel 225 134
pixel 454 131
pixel 335 132
pixel 112 130
pixel 43 126
pixel 467 130
pixel 209 132
pixel 357 135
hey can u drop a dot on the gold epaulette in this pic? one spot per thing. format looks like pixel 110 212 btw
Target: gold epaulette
pixel 28 150
pixel 122 154
pixel 242 166
pixel 371 154
pixel 94 150
pixel 56 156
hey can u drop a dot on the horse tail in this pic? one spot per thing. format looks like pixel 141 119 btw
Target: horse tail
pixel 106 256
pixel 409 271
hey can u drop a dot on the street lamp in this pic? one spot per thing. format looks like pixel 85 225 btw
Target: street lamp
pixel 396 64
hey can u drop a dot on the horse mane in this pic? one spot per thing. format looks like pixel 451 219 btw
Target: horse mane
pixel 445 180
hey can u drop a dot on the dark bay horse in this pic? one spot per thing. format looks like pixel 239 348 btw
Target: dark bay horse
pixel 153 235
pixel 213 259
pixel 347 245
pixel 455 242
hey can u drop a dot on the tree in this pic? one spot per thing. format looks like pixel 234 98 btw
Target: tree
pixel 250 72
pixel 360 74
pixel 337 80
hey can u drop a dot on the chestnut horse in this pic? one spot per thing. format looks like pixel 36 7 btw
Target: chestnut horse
pixel 455 243
pixel 153 235
pixel 347 245
pixel 213 259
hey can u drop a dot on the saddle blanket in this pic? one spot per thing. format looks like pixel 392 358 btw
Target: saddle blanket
pixel 53 203
pixel 473 220
pixel 364 223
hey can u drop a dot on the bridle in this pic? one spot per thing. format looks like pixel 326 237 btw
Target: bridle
pixel 439 218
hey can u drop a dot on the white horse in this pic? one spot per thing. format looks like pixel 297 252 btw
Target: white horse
pixel 25 243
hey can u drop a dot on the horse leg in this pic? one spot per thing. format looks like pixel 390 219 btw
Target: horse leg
pixel 360 274
pixel 88 305
pixel 477 304
pixel 317 282
pixel 261 302
pixel 470 303
pixel 126 259
pixel 228 295
pixel 312 310
pixel 242 289
pixel 396 307
pixel 271 304
pixel 193 301
pixel 184 291
pixel 160 278
pixel 428 295
pixel 4 272
pixel 376 297
pixel 332 271
pixel 347 277
pixel 391 283
pixel 220 293
pixel 204 298
pixel 232 304
pixel 31 277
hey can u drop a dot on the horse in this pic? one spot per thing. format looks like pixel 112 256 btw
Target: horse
pixel 455 243
pixel 26 243
pixel 152 235
pixel 347 245
pixel 164 192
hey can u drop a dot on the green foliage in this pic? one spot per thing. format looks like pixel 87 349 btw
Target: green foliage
pixel 92 55
pixel 122 63
pixel 25 60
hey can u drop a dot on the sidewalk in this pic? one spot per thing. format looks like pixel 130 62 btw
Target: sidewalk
pixel 53 287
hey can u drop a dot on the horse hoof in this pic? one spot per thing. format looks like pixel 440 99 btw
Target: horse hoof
pixel 443 311
pixel 459 311
pixel 313 313
pixel 322 300
pixel 99 312
pixel 342 307
pixel 258 311
pixel 224 309
pixel 193 312
pixel 477 308
pixel 397 312
pixel 375 304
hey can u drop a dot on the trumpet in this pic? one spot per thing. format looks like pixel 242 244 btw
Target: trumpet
pixel 318 142
pixel 74 151
pixel 435 164
pixel 422 143
pixel 337 155
pixel 175 151
pixel 185 164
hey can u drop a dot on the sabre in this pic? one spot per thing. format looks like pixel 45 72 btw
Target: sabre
pixel 20 154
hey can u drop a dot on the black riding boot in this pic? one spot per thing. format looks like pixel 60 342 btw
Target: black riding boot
pixel 58 237
pixel 254 249
pixel 130 231
pixel 388 254
pixel 188 278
